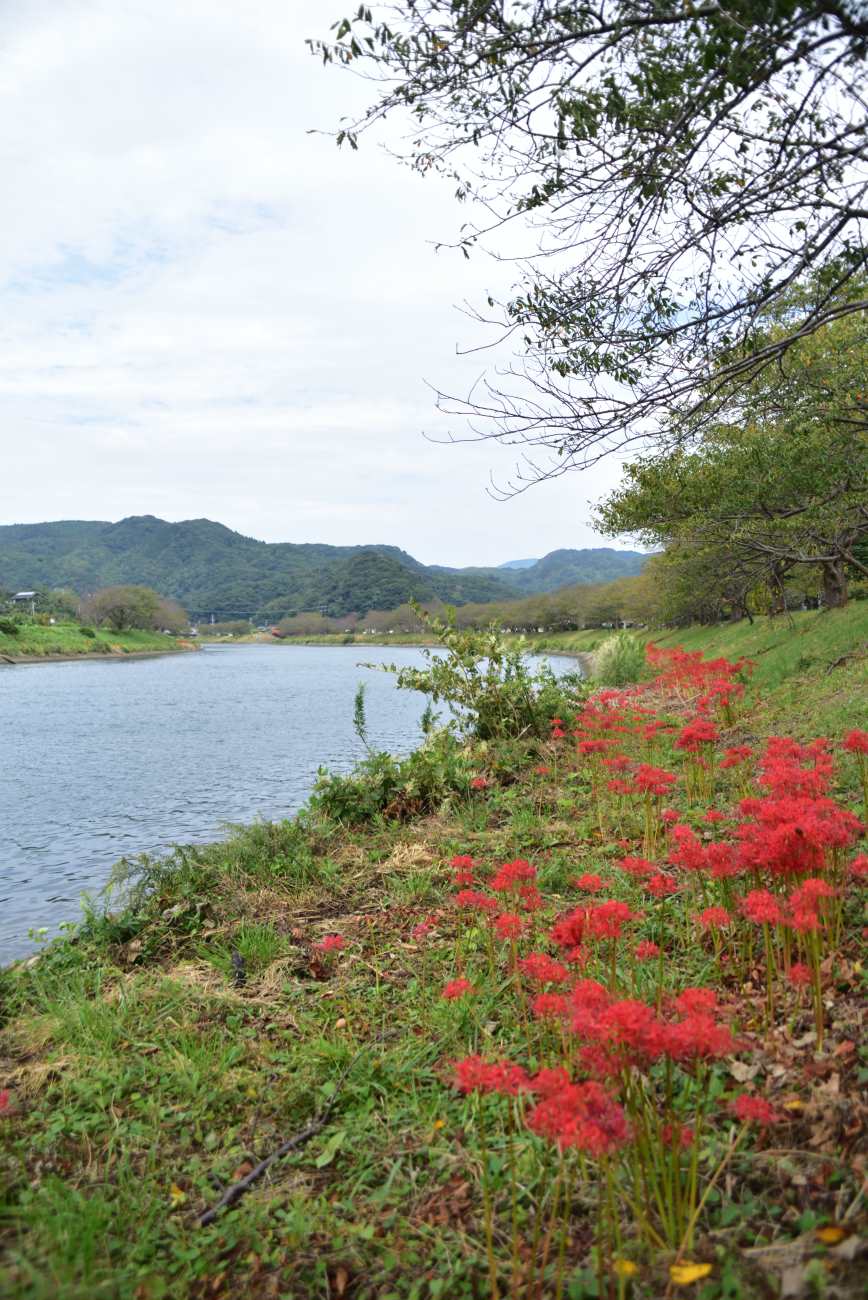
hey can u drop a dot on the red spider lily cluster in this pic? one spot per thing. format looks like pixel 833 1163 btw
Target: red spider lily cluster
pixel 616 1069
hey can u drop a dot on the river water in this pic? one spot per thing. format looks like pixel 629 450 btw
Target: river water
pixel 101 760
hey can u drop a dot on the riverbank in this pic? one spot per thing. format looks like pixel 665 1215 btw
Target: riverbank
pixel 411 641
pixel 38 643
pixel 307 986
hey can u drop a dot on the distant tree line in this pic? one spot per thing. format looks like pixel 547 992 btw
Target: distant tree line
pixel 119 608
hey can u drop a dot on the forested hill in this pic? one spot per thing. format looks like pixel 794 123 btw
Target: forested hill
pixel 212 570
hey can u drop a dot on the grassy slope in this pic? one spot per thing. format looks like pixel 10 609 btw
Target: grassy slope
pixel 66 639
pixel 143 1080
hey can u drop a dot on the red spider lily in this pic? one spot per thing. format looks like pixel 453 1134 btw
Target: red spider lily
pixel 542 968
pixel 696 735
pixel 589 747
pixel 670 816
pixel 589 994
pixel 508 925
pixel 804 922
pixel 549 1081
pixel 569 931
pixel 620 763
pixel 677 1135
pixel 512 875
pixel 790 836
pixel 581 1115
pixel 689 853
pixel 859 867
pixel 474 901
pixel 761 907
pixel 754 1110
pixel 735 755
pixel 463 867
pixel 607 920
pixel 714 815
pixel 806 896
pixel 799 974
pixel 558 732
pixel 631 1032
pixel 646 950
pixel 653 780
pixel 699 1037
pixel 542 770
pixel 550 1006
pixel 530 899
pixel 856 742
pixel 692 1001
pixel 590 883
pixel 422 930
pixel 720 695
pixel 475 1074
pixel 714 918
pixel 331 943
pixel 785 769
pixel 637 867
pixel 457 989
pixel 660 885
pixel 479 783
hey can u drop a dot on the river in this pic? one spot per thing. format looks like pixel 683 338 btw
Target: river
pixel 101 760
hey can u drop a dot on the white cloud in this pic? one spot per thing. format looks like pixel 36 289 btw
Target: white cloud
pixel 206 310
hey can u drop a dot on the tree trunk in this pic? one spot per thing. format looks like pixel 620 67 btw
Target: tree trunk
pixel 835 584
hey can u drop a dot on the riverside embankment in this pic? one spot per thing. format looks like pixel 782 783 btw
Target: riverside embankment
pixel 55 643
pixel 317 979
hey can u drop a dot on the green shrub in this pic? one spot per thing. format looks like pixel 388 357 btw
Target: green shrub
pixel 620 660
pixel 382 785
pixel 88 632
pixel 8 627
pixel 491 690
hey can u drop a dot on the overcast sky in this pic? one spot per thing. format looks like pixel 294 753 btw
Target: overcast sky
pixel 207 311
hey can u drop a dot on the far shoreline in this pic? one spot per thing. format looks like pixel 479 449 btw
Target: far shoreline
pixel 12 661
pixel 582 657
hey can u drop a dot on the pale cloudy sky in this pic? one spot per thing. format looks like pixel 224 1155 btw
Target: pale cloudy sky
pixel 207 311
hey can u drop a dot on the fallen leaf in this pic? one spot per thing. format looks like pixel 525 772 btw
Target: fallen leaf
pixel 742 1072
pixel 687 1274
pixel 177 1195
pixel 341 1279
pixel 830 1236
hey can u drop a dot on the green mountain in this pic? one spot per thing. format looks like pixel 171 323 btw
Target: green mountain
pixel 565 568
pixel 212 570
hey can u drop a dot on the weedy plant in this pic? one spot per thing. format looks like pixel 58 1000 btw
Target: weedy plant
pixel 486 681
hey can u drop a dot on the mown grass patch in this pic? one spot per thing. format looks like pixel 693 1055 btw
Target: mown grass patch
pixel 42 640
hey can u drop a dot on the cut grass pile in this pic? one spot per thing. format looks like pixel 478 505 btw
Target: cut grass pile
pixel 153 1060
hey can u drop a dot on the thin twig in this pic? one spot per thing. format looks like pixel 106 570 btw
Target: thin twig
pixel 235 1191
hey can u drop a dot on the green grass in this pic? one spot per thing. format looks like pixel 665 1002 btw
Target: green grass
pixel 144 1080
pixel 67 639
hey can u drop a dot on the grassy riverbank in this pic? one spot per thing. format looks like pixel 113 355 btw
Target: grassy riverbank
pixel 67 640
pixel 150 1064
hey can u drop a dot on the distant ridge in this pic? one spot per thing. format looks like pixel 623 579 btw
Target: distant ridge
pixel 212 570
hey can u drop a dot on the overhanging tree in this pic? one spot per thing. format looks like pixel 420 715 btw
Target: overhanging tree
pixel 783 483
pixel 683 165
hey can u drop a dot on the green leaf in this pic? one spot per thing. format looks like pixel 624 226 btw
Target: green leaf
pixel 331 1148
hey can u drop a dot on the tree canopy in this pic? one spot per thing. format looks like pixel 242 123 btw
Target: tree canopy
pixel 681 165
pixel 782 483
